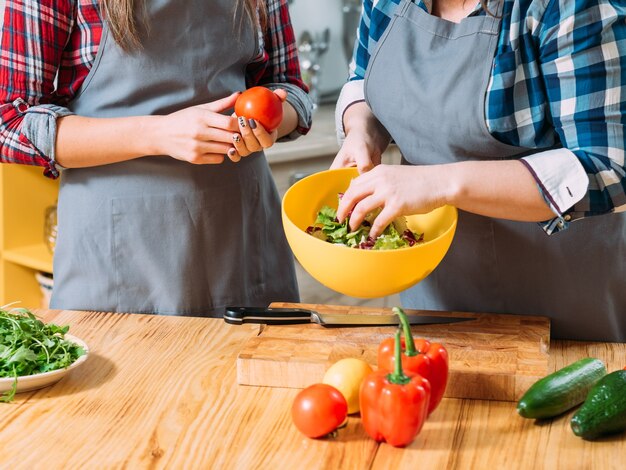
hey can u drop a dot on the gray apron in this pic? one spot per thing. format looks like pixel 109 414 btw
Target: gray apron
pixel 426 83
pixel 155 234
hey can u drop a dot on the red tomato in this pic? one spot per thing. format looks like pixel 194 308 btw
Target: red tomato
pixel 319 410
pixel 262 105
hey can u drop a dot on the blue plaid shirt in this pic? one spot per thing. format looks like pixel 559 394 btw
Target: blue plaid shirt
pixel 559 79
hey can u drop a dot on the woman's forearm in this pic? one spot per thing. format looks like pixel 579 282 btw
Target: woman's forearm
pixel 84 141
pixel 290 120
pixel 199 134
pixel 359 118
pixel 501 189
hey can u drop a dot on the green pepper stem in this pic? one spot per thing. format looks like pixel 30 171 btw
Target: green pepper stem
pixel 398 376
pixel 409 344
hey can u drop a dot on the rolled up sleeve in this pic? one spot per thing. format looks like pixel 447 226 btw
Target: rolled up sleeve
pixel 33 37
pixel 277 66
pixel 562 181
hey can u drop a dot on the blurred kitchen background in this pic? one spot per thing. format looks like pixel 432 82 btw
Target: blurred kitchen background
pixel 325 32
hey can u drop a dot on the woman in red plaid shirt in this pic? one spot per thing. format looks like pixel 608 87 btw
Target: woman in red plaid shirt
pixel 166 202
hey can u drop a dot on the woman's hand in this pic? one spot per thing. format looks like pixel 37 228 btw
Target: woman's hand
pixel 398 190
pixel 366 139
pixel 199 134
pixel 357 151
pixel 251 136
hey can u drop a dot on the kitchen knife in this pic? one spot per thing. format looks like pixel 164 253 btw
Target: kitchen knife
pixel 292 316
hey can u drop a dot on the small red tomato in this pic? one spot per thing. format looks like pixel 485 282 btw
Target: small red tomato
pixel 318 410
pixel 262 105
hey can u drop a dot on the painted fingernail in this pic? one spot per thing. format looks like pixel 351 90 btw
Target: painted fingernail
pixel 231 152
pixel 252 123
pixel 242 122
pixel 236 138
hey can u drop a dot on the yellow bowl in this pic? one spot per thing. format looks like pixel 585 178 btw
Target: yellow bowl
pixel 355 272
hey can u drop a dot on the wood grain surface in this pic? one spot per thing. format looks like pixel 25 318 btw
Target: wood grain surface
pixel 161 392
pixel 494 357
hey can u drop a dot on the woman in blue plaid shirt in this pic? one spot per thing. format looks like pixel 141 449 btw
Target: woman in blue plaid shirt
pixel 512 111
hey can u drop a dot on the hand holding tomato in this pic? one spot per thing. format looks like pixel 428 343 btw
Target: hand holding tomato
pixel 198 134
pixel 259 112
pixel 318 410
pixel 263 105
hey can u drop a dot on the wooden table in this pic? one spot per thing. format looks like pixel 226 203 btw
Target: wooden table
pixel 160 392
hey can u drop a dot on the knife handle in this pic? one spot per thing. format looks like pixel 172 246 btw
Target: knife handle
pixel 266 315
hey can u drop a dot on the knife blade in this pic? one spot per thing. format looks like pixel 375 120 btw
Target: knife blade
pixel 292 316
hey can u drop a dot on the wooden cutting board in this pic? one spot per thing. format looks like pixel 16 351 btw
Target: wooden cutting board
pixel 495 357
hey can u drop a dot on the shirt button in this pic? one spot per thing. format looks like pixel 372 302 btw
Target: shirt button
pixel 568 217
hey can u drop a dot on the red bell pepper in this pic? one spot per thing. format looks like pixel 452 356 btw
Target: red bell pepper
pixel 394 405
pixel 430 360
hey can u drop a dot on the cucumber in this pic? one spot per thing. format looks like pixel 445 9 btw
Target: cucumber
pixel 604 410
pixel 561 390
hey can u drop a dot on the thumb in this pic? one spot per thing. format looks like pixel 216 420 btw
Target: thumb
pixel 364 165
pixel 343 159
pixel 221 105
pixel 282 94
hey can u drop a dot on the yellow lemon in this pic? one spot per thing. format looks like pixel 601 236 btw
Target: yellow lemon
pixel 346 375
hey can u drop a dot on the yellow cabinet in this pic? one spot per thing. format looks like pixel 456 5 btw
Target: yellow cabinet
pixel 24 196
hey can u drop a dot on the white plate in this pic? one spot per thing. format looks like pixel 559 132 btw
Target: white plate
pixel 36 381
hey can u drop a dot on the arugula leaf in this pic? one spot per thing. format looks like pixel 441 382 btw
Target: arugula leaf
pixel 22 354
pixel 29 346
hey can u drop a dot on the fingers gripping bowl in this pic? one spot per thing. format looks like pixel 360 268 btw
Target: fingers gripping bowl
pixel 356 272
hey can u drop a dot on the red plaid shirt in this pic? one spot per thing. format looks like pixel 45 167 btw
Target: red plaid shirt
pixel 45 37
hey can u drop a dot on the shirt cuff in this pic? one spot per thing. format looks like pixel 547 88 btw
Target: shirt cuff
pixel 39 127
pixel 352 92
pixel 563 182
pixel 302 103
